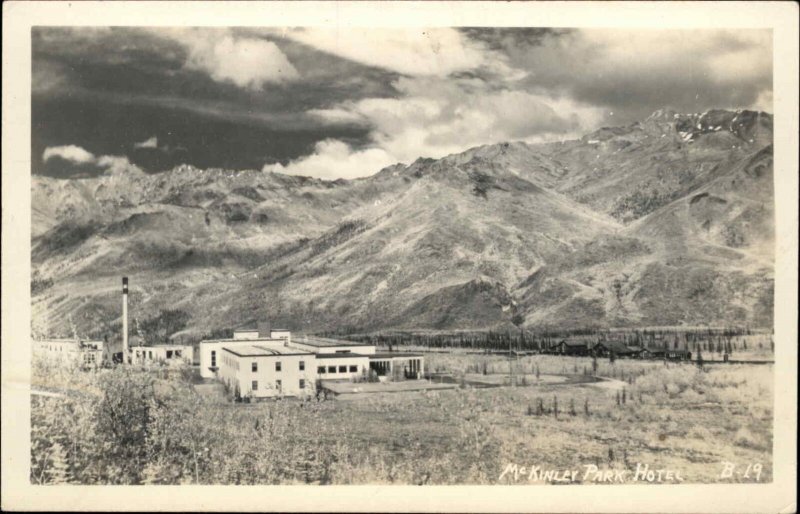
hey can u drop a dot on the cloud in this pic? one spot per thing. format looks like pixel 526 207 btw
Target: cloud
pixel 333 159
pixel 148 143
pixel 247 62
pixel 634 72
pixel 413 52
pixel 85 161
pixel 69 153
pixel 434 117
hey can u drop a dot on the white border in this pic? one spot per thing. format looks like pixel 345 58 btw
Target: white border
pixel 18 494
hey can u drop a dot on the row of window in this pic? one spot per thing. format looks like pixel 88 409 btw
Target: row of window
pixel 278 385
pixel 149 354
pixel 321 370
pixel 254 366
pixel 278 366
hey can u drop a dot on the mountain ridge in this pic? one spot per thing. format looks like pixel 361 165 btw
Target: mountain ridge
pixel 584 232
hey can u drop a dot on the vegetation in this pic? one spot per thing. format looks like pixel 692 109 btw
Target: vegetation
pixel 40 285
pixel 342 233
pixel 730 340
pixel 159 328
pixel 135 426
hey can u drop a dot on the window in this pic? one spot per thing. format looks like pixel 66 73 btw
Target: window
pixel 255 385
pixel 278 366
pixel 302 384
pixel 342 369
pixel 353 369
pixel 169 354
pixel 150 354
pixel 278 385
pixel 321 370
pixel 342 351
pixel 254 367
pixel 331 369
pixel 213 358
pixel 302 365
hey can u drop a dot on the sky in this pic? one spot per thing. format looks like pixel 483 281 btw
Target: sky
pixel 344 103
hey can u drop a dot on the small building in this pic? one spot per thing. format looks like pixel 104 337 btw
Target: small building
pixel 162 353
pixel 341 365
pixel 670 354
pixel 638 352
pixel 606 348
pixel 571 347
pixel 260 371
pixel 398 364
pixel 72 352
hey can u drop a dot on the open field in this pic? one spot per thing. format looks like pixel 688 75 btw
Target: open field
pixel 346 387
pixel 665 416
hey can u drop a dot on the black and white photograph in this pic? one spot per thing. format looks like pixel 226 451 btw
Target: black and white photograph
pixel 442 255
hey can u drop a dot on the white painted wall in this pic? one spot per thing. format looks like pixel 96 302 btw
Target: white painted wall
pixel 245 334
pixel 237 370
pixel 152 354
pixel 281 334
pixel 360 364
pixel 70 352
pixel 216 345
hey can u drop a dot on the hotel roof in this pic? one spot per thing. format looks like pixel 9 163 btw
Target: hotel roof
pixel 394 355
pixel 264 351
pixel 323 342
pixel 341 355
pixel 167 346
pixel 246 341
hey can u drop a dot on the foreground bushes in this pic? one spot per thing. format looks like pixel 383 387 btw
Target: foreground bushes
pixel 136 427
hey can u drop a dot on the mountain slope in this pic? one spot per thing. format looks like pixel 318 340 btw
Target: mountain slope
pixel 667 221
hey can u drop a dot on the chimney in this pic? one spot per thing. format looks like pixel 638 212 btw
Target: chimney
pixel 124 319
pixel 263 329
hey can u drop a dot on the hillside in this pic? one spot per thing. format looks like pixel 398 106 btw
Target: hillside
pixel 664 222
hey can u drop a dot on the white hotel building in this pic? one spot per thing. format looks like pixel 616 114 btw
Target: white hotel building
pixel 261 363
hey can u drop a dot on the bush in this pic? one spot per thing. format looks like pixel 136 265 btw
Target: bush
pixel 746 439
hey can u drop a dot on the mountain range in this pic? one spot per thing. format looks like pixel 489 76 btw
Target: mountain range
pixel 664 222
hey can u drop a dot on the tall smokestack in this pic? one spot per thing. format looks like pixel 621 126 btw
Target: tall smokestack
pixel 124 320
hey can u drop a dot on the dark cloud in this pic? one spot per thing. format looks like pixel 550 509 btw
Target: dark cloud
pixel 249 97
pixel 105 89
pixel 110 128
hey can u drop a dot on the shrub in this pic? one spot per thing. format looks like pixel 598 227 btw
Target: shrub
pixel 746 439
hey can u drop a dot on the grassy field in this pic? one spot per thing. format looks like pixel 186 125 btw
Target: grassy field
pixel 664 416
